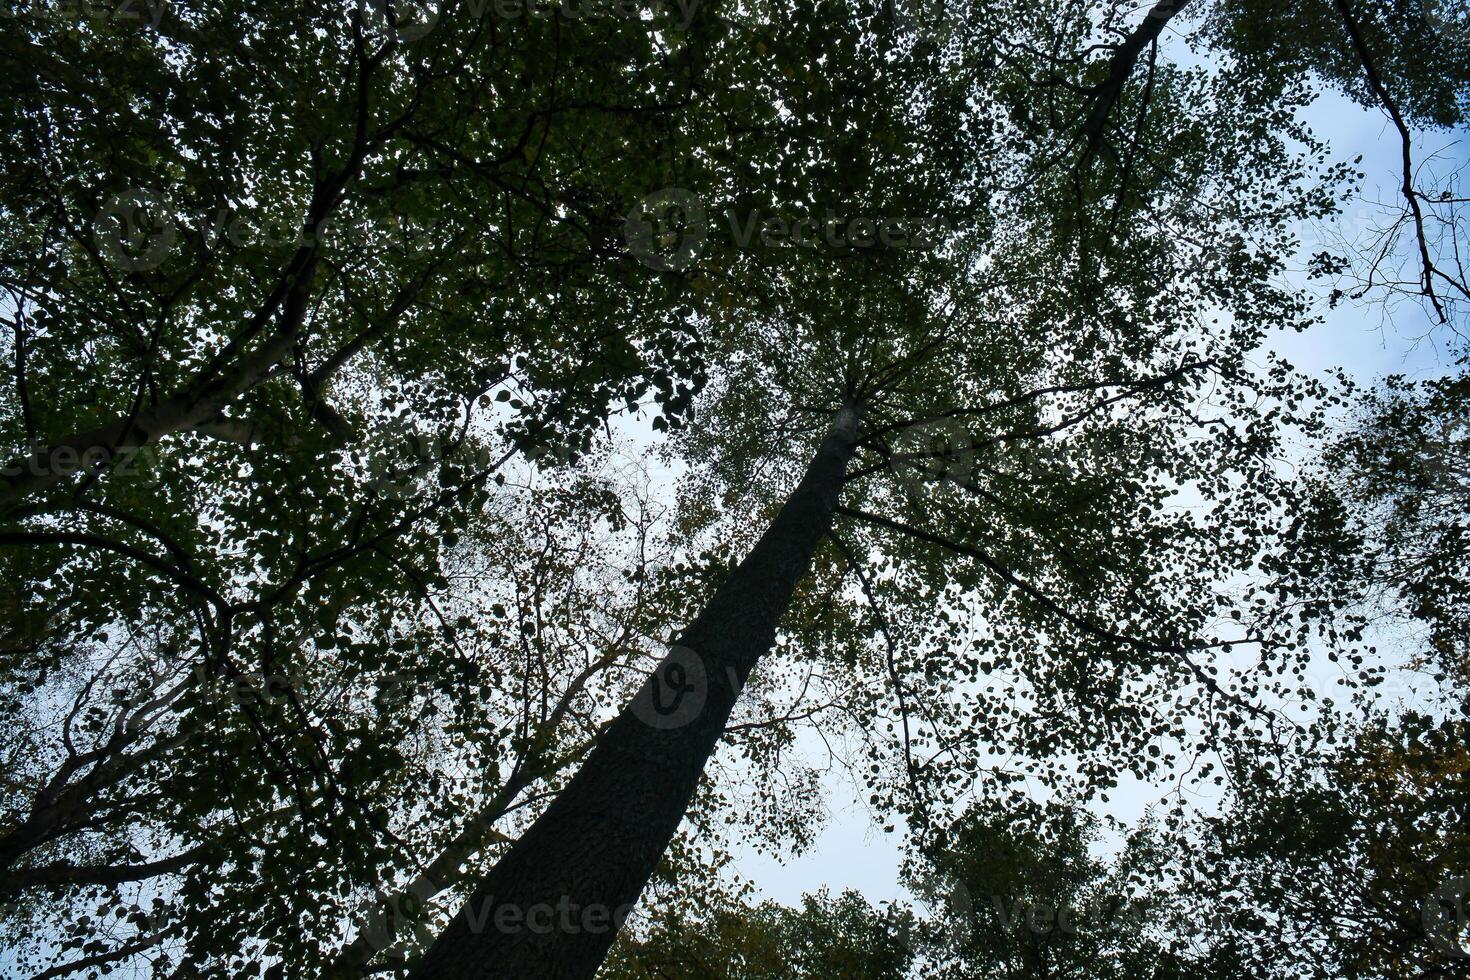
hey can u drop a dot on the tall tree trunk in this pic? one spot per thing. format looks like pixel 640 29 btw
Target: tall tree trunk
pixel 552 905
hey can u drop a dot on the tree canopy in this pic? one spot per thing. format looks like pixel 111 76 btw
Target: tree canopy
pixel 456 453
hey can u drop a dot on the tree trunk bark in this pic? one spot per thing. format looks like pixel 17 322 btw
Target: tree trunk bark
pixel 553 904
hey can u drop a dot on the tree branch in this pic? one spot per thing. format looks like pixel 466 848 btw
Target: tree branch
pixel 1080 622
pixel 1375 82
pixel 1109 92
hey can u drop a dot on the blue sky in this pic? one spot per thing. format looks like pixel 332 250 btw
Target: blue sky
pixel 853 852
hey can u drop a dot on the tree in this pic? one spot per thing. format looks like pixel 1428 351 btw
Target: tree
pixel 1337 861
pixel 1045 416
pixel 1343 858
pixel 1019 891
pixel 1409 61
pixel 1341 861
pixel 1383 537
pixel 316 251
pixel 827 936
pixel 285 294
pixel 1103 358
pixel 192 847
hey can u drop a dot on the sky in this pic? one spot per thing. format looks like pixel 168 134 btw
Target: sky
pixel 851 851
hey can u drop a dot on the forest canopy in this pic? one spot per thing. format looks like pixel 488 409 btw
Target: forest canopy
pixel 472 472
